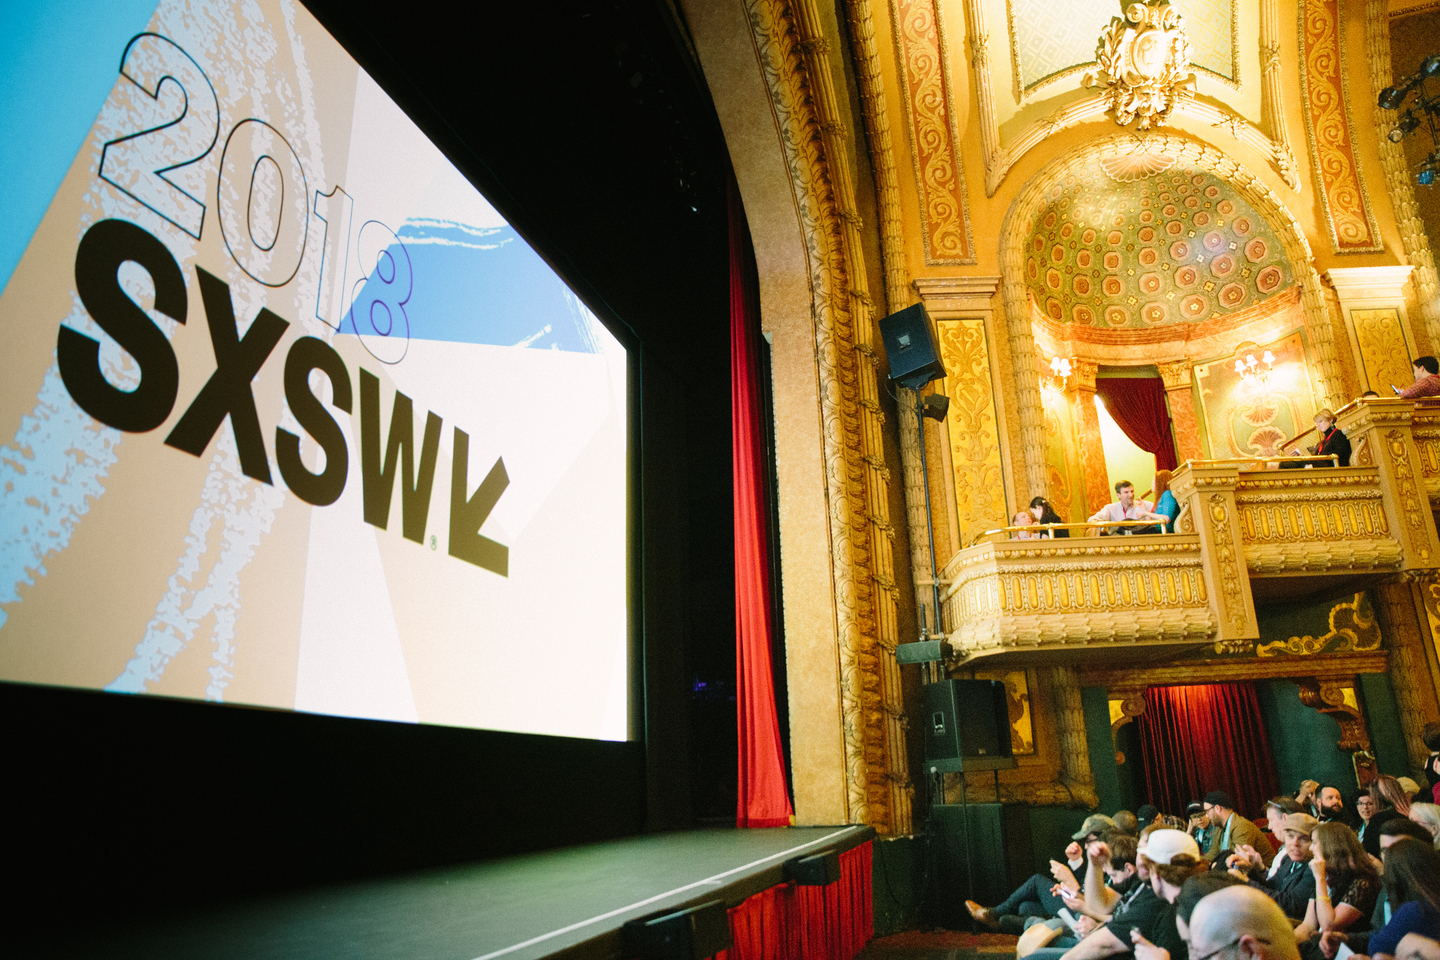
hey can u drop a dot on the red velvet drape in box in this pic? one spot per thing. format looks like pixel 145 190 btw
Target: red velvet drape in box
pixel 1202 738
pixel 807 923
pixel 762 799
pixel 1138 406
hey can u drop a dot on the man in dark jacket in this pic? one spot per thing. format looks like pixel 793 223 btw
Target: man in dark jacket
pixel 1293 883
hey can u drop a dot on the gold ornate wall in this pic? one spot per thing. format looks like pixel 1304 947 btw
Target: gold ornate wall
pixel 887 153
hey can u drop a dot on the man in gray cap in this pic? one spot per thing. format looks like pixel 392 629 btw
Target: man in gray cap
pixel 1241 923
pixel 1231 829
pixel 1293 884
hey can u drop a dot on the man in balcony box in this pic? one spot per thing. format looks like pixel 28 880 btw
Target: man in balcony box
pixel 1127 508
pixel 1427 380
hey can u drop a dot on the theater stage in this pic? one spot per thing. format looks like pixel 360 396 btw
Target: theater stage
pixel 569 902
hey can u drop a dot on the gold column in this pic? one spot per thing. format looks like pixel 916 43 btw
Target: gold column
pixel 1372 301
pixel 1176 377
pixel 1408 622
pixel 1210 494
pixel 1087 436
pixel 1063 684
pixel 1385 429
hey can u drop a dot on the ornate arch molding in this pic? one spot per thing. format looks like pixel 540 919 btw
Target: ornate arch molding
pixel 792 53
pixel 1030 201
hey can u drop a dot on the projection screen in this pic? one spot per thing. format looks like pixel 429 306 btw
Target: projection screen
pixel 291 417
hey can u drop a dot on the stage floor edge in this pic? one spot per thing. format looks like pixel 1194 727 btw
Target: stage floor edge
pixel 568 903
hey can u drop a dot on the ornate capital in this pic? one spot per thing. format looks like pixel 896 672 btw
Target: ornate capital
pixel 1176 375
pixel 1082 374
pixel 1143 61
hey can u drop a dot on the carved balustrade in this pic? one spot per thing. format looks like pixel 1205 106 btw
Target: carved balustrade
pixel 1138 596
pixel 1245 530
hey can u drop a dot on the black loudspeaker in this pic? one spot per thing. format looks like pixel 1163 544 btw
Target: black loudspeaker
pixel 910 346
pixel 820 870
pixel 967 726
pixel 688 934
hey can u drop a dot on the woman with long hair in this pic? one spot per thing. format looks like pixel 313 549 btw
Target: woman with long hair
pixel 1412 884
pixel 1389 794
pixel 1044 512
pixel 1346 883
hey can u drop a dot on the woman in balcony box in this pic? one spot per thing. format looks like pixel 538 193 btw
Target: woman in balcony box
pixel 1165 503
pixel 1044 512
pixel 1332 440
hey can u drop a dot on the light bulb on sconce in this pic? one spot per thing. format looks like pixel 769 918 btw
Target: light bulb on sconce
pixel 1060 367
pixel 1254 372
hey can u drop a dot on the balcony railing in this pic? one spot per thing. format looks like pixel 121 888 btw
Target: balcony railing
pixel 1246 528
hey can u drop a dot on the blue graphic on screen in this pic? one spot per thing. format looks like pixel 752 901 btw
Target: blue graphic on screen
pixel 471 284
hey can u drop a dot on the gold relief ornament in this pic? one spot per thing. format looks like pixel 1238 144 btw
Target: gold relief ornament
pixel 1143 61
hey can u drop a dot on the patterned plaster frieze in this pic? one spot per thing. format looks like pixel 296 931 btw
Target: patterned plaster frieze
pixel 1334 155
pixel 1397 172
pixel 1014 236
pixel 792 54
pixel 923 58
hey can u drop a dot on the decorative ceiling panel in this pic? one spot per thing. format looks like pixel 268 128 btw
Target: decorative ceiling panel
pixel 1049 37
pixel 1145 248
pixel 1212 27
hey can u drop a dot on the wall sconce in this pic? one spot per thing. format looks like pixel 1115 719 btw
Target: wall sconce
pixel 1255 372
pixel 1060 367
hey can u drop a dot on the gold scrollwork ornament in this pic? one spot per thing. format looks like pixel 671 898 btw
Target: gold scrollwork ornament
pixel 1143 59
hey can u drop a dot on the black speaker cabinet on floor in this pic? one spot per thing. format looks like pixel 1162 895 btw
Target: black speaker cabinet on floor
pixel 996 857
pixel 966 723
pixel 910 347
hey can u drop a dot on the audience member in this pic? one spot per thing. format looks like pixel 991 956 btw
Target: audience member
pixel 1172 858
pixel 1384 804
pixel 1023 519
pixel 1365 807
pixel 1044 512
pixel 1428 816
pixel 1126 507
pixel 1412 885
pixel 1165 503
pixel 1426 384
pixel 1241 923
pixel 1042 896
pixel 1293 884
pixel 1199 826
pixel 1346 883
pixel 1329 805
pixel 1231 829
pixel 1331 440
pixel 1431 736
pixel 1415 947
pixel 1146 815
pixel 1388 792
pixel 1144 911
pixel 1127 822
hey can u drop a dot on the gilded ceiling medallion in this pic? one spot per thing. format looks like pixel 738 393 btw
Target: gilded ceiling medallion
pixel 1143 61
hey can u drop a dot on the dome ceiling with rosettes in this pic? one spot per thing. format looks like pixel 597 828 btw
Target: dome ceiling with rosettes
pixel 1139 242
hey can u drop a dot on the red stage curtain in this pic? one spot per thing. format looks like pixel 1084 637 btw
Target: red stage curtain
pixel 762 799
pixel 1202 738
pixel 1138 406
pixel 807 923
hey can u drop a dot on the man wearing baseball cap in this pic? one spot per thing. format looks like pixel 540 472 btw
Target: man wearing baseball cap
pixel 1164 856
pixel 1292 885
pixel 1232 830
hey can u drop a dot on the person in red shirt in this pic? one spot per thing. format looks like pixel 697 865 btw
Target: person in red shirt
pixel 1427 379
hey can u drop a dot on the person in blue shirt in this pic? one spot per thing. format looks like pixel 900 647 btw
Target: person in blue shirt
pixel 1165 503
